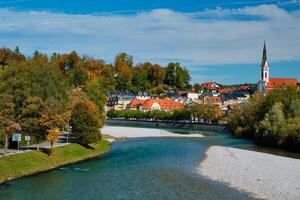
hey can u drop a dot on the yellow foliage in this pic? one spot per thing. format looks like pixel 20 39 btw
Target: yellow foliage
pixel 53 135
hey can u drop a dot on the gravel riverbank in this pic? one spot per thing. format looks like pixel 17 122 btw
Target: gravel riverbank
pixel 263 175
pixel 133 132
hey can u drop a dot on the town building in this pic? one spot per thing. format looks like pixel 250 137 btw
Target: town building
pixel 268 83
pixel 192 95
pixel 189 95
pixel 119 100
pixel 155 104
pixel 173 95
pixel 234 98
pixel 211 100
pixel 210 86
pixel 142 95
pixel 214 93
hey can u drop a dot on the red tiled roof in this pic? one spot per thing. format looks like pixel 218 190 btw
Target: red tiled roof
pixel 212 99
pixel 165 104
pixel 281 82
pixel 209 85
pixel 224 90
pixel 136 102
pixel 243 87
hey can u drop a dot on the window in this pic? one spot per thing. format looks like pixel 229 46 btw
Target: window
pixel 266 74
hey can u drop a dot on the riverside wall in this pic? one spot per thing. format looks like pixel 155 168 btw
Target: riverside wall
pixel 159 124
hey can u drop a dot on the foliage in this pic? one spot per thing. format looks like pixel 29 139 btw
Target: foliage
pixel 197 87
pixel 206 112
pixel 52 137
pixel 271 119
pixel 97 97
pixel 85 125
pixel 269 129
pixel 8 56
pixel 32 118
pixel 123 69
pixel 7 121
pixel 193 112
pixel 35 77
pixel 43 90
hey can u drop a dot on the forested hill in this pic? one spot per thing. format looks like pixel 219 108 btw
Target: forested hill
pixel 123 74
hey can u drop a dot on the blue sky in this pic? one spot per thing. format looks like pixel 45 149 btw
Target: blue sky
pixel 216 40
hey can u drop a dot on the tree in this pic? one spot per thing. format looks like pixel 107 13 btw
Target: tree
pixel 69 61
pixel 197 87
pixel 140 76
pixel 270 119
pixel 123 71
pixel 177 76
pixel 215 112
pixel 107 78
pixel 52 137
pixel 93 108
pixel 96 94
pixel 8 56
pixel 32 119
pixel 294 108
pixel 156 75
pixel 7 121
pixel 170 74
pixel 193 110
pixel 55 115
pixel 17 50
pixel 269 129
pixel 84 125
pixel 182 77
pixel 35 77
pixel 292 129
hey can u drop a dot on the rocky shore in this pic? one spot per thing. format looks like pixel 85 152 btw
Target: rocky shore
pixel 264 175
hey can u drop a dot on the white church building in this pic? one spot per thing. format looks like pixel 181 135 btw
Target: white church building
pixel 267 83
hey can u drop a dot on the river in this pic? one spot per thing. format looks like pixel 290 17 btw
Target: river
pixel 142 169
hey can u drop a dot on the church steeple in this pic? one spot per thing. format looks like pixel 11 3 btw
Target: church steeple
pixel 264 71
pixel 264 57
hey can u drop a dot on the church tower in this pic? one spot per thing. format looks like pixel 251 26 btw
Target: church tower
pixel 264 72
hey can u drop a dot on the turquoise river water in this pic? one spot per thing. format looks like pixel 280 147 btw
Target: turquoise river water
pixel 142 169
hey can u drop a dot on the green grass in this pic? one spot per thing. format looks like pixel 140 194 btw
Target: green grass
pixel 32 162
pixel 105 137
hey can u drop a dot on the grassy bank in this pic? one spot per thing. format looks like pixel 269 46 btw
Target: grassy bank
pixel 32 162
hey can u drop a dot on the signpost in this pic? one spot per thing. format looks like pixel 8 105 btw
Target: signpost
pixel 17 138
pixel 27 140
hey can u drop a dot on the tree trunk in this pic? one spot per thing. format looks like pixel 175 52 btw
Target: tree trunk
pixel 6 143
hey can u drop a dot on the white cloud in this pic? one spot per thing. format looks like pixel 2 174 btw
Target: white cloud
pixel 220 36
